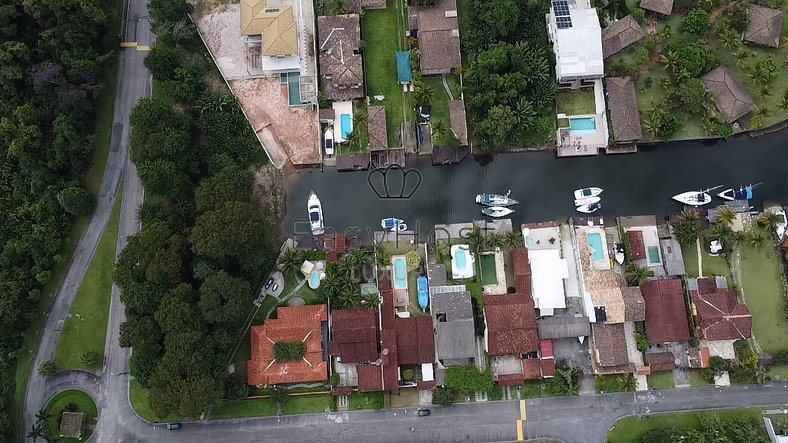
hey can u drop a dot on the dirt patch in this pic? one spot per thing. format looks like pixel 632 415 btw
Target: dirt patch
pixel 269 190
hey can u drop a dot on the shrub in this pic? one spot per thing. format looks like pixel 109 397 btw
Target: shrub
pixel 75 200
pixel 739 17
pixel 443 396
pixel 289 351
pixel 639 14
pixel 235 387
pixel 696 22
pixel 650 42
pixel 643 56
pixel 407 374
pixel 724 130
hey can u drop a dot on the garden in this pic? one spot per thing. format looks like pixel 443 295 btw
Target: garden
pixel 741 425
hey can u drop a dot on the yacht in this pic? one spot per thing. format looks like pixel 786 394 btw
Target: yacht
pixel 315 214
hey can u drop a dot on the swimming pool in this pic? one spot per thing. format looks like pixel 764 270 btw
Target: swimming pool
pixel 653 255
pixel 346 125
pixel 595 241
pixel 314 279
pixel 400 272
pixel 582 125
pixel 462 262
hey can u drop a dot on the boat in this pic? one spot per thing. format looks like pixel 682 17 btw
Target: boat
pixel 589 208
pixel 496 199
pixel 497 211
pixel 587 192
pixel 587 201
pixel 620 253
pixel 743 193
pixel 328 138
pixel 695 198
pixel 424 295
pixel 315 214
pixel 393 224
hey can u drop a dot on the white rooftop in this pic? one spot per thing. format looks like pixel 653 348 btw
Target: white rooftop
pixel 578 48
pixel 548 271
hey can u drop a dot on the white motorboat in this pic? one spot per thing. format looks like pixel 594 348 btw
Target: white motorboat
pixel 393 224
pixel 328 139
pixel 496 199
pixel 497 211
pixel 743 193
pixel 589 208
pixel 620 253
pixel 587 192
pixel 315 214
pixel 695 198
pixel 587 201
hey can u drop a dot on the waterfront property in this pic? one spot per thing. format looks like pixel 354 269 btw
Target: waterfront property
pixel 624 117
pixel 437 30
pixel 643 239
pixel 719 318
pixel 455 342
pixel 463 262
pixel 730 98
pixel 666 312
pixel 341 68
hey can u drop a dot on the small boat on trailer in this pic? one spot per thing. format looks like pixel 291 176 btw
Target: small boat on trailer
pixel 743 193
pixel 315 214
pixel 496 199
pixel 587 192
pixel 695 198
pixel 497 211
pixel 589 208
pixel 393 224
pixel 587 201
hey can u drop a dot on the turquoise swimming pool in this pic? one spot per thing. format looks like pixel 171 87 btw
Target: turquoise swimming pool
pixel 461 257
pixel 400 272
pixel 345 125
pixel 653 255
pixel 595 241
pixel 314 279
pixel 582 125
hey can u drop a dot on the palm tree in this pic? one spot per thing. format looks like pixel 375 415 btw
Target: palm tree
pixel 43 415
pixel 330 284
pixel 627 383
pixel 740 57
pixel 726 216
pixel 36 431
pixel 358 258
pixel 667 32
pixel 291 261
pixel 721 231
pixel 687 227
pixel 739 238
pixel 729 39
pixel 765 92
pixel 339 7
pixel 424 94
pixel 496 240
pixel 670 59
pixel 439 128
pixel 637 275
pixel 769 221
pixel 783 103
pixel 514 239
pixel 89 358
pixel 651 126
pixel 382 257
pixel 757 239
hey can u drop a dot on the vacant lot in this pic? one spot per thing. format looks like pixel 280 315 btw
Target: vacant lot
pixel 662 380
pixel 630 429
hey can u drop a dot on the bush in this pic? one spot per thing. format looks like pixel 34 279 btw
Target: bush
pixel 643 56
pixel 407 374
pixel 724 130
pixel 650 42
pixel 289 351
pixel 739 17
pixel 639 14
pixel 443 396
pixel 696 22
pixel 235 387
pixel 467 379
pixel 75 200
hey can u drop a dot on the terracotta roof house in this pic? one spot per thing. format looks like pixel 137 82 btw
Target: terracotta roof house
pixel 304 324
pixel 354 335
pixel 661 361
pixel 731 99
pixel 370 377
pixel 378 134
pixel 719 315
pixel 341 68
pixel 455 334
pixel 415 340
pixel 765 26
pixel 273 23
pixel 623 104
pixel 666 313
pixel 522 271
pixel 458 123
pixel 637 246
pixel 532 369
pixel 511 325
pixel 620 35
pixel 610 347
pixel 510 379
pixel 438 32
pixel 664 7
pixel 699 357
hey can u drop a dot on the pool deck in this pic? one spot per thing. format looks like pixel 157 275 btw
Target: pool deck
pixel 339 109
pixel 470 263
pixel 573 144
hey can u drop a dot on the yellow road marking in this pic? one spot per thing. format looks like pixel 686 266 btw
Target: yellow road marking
pixel 128 44
pixel 522 409
pixel 520 436
pixel 143 48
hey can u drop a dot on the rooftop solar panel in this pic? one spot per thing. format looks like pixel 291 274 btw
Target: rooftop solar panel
pixel 563 22
pixel 561 8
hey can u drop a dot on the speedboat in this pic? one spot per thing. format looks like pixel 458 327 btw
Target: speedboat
pixel 328 138
pixel 393 224
pixel 743 193
pixel 496 199
pixel 497 211
pixel 587 192
pixel 424 295
pixel 315 214
pixel 589 208
pixel 620 253
pixel 587 201
pixel 695 198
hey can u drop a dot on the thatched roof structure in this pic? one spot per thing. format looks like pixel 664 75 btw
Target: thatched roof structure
pixel 624 116
pixel 378 135
pixel 765 27
pixel 664 7
pixel 620 35
pixel 732 100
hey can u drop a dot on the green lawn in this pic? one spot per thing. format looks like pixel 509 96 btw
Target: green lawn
pixel 257 407
pixel 608 383
pixel 365 400
pixel 308 404
pixel 440 100
pixel 696 379
pixel 139 402
pixel 661 380
pixel 359 113
pixel 383 36
pixel 84 404
pixel 712 266
pixel 630 429
pixel 535 389
pixel 576 102
pixel 86 329
pixel 762 287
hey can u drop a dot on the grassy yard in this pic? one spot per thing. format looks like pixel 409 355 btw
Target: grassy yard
pixel 762 287
pixel 308 404
pixel 365 400
pixel 84 404
pixel 86 329
pixel 360 113
pixel 696 379
pixel 256 407
pixel 576 102
pixel 661 380
pixel 712 266
pixel 383 36
pixel 139 402
pixel 535 389
pixel 608 383
pixel 630 429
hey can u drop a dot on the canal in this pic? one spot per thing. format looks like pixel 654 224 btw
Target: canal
pixel 634 184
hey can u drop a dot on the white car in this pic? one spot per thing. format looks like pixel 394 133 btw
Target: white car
pixel 328 141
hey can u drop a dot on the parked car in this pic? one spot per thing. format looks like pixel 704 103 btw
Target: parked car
pixel 423 412
pixel 173 426
pixel 274 287
pixel 269 282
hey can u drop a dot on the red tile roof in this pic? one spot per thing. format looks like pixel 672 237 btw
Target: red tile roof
pixel 341 390
pixel 387 308
pixel 511 379
pixel 511 325
pixel 666 313
pixel 415 340
pixel 389 357
pixel 637 247
pixel 370 378
pixel 293 324
pixel 545 348
pixel 720 316
pixel 520 262
pixel 355 335
pixel 699 357
pixel 661 361
pixel 610 343
pixel 547 365
pixel 522 284
pixel 426 385
pixel 532 369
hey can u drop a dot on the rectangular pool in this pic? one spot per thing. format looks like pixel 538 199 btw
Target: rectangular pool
pixel 582 125
pixel 653 255
pixel 399 272
pixel 345 125
pixel 595 242
pixel 489 274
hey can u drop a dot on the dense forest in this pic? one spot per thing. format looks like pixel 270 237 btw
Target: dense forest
pixel 189 277
pixel 53 55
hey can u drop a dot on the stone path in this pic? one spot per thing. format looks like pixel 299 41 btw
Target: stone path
pixel 700 257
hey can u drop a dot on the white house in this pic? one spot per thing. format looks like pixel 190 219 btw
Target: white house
pixel 573 27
